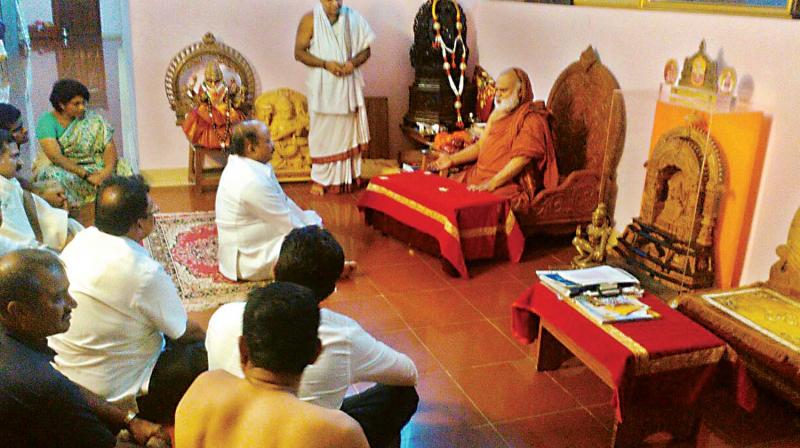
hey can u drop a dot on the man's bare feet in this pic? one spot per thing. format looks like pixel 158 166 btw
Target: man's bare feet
pixel 317 189
pixel 350 268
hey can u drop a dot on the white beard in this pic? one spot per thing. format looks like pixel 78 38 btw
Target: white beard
pixel 507 105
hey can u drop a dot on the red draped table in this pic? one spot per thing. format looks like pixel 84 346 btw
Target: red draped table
pixel 656 368
pixel 467 225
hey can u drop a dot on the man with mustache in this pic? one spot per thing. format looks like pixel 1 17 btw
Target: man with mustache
pixel 50 191
pixel 40 407
pixel 515 156
pixel 27 218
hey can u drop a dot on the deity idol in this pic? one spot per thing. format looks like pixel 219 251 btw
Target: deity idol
pixel 216 108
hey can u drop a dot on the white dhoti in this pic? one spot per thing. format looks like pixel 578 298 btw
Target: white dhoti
pixel 339 140
pixel 338 132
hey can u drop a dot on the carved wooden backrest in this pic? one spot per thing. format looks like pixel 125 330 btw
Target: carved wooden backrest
pixel 784 276
pixel 191 60
pixel 588 117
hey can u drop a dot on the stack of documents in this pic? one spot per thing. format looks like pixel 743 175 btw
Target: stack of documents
pixel 570 283
pixel 605 294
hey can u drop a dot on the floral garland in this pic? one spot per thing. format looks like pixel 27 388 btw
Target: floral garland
pixel 438 42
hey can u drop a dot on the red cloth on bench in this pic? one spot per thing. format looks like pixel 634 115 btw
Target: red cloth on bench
pixel 671 356
pixel 468 225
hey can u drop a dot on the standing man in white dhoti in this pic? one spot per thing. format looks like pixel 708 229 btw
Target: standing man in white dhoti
pixel 334 40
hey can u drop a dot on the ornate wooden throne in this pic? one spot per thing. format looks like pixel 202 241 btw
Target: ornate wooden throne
pixel 589 127
pixel 190 62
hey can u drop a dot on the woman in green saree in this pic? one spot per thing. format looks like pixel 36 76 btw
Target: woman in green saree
pixel 77 149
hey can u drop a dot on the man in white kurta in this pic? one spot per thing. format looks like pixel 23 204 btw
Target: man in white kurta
pixel 55 225
pixel 334 41
pixel 253 213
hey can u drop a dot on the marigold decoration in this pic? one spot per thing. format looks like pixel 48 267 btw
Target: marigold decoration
pixel 454 142
pixel 449 57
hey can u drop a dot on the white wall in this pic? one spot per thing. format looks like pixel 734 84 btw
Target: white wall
pixel 264 31
pixel 34 10
pixel 635 45
pixel 111 18
pixel 110 14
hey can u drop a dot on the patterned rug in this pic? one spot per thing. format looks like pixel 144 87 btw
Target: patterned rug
pixel 186 245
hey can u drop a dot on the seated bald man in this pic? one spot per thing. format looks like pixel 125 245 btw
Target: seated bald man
pixel 515 156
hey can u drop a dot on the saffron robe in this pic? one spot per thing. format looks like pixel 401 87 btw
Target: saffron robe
pixel 525 132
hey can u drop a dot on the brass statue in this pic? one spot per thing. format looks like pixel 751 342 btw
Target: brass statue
pixel 592 247
pixel 285 111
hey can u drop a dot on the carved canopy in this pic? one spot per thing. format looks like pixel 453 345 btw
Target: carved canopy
pixel 191 60
pixel 683 185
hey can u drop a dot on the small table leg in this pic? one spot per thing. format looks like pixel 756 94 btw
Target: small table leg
pixel 642 420
pixel 550 353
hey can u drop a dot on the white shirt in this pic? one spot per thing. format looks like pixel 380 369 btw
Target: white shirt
pixel 54 222
pixel 126 304
pixel 349 355
pixel 253 215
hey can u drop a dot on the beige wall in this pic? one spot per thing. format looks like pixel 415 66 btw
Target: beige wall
pixel 543 39
pixel 540 38
pixel 262 30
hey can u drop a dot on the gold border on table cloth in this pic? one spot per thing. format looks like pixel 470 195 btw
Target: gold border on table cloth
pixel 417 207
pixel 644 364
pixel 639 352
pixel 478 232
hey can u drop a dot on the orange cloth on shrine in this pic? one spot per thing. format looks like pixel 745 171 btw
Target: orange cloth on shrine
pixel 524 132
pixel 207 124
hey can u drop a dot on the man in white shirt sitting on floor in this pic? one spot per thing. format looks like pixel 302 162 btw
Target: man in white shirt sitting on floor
pixel 127 304
pixel 311 257
pixel 28 219
pixel 253 212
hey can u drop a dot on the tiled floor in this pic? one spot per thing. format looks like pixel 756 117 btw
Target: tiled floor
pixel 479 387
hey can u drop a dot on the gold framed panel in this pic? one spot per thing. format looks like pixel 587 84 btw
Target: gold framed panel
pixel 765 8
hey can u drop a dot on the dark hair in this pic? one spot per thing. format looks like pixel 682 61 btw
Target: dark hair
pixel 246 131
pixel 9 115
pixel 64 90
pixel 121 201
pixel 280 326
pixel 311 256
pixel 6 137
pixel 22 276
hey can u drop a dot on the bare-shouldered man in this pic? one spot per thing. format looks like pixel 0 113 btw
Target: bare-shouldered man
pixel 279 340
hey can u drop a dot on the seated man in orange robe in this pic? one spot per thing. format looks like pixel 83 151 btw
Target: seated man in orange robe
pixel 516 153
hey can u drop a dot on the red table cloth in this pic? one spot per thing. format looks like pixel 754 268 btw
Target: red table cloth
pixel 678 355
pixel 468 225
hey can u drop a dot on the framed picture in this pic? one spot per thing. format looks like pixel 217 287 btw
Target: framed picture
pixel 770 8
pixel 774 8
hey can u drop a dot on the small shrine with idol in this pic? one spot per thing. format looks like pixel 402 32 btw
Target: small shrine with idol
pixel 441 97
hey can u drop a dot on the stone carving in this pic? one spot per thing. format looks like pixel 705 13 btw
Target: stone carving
pixel 673 238
pixel 434 93
pixel 784 276
pixel 285 111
